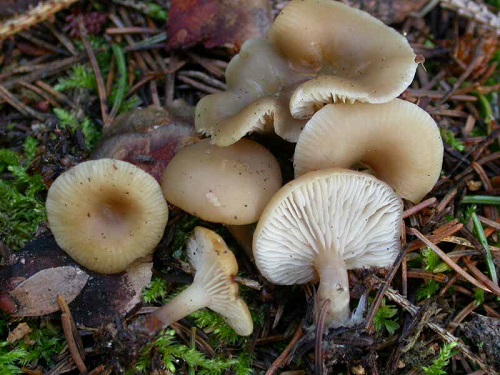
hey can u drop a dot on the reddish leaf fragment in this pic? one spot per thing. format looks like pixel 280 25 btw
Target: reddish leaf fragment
pixel 148 138
pixel 38 295
pixel 215 23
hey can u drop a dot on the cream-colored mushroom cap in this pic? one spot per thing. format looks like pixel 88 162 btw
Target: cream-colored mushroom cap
pixel 354 56
pixel 106 213
pixel 229 185
pixel 213 286
pixel 259 85
pixel 398 141
pixel 324 223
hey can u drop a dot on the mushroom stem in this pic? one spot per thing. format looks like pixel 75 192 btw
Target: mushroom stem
pixel 188 301
pixel 334 285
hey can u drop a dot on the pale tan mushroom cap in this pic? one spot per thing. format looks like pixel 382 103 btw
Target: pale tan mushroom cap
pixel 355 58
pixel 352 214
pixel 106 213
pixel 398 140
pixel 256 99
pixel 229 185
pixel 216 267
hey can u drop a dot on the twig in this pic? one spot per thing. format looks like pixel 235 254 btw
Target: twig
pixel 32 17
pixel 413 210
pixel 101 89
pixel 320 327
pixel 73 339
pixel 284 355
pixel 447 260
pixel 27 111
pixel 380 294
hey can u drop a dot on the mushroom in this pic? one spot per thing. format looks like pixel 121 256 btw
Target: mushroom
pixel 259 84
pixel 324 223
pixel 398 141
pixel 355 58
pixel 228 185
pixel 106 213
pixel 213 286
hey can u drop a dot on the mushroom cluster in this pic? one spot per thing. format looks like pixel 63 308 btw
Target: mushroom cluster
pixel 332 90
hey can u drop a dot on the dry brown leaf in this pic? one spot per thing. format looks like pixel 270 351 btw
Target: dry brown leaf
pixel 38 295
pixel 103 297
pixel 216 23
pixel 18 333
pixel 148 138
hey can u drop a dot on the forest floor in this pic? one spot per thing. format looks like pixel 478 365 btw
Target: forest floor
pixel 70 74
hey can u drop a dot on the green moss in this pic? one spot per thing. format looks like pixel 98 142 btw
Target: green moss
pixel 21 199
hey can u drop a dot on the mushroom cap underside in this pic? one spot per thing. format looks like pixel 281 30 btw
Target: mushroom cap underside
pixel 338 210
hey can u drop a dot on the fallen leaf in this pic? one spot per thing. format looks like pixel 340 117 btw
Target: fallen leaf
pixel 38 295
pixel 18 333
pixel 102 298
pixel 216 23
pixel 148 138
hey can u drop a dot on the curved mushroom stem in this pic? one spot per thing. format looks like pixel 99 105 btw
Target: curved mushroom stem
pixel 193 298
pixel 334 285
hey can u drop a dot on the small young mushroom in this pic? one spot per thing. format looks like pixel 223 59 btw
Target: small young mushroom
pixel 398 141
pixel 213 286
pixel 228 185
pixel 324 223
pixel 106 213
pixel 259 84
pixel 353 56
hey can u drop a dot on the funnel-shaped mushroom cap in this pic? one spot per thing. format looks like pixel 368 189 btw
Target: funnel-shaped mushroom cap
pixel 323 223
pixel 398 140
pixel 215 268
pixel 258 92
pixel 213 286
pixel 355 58
pixel 229 185
pixel 106 213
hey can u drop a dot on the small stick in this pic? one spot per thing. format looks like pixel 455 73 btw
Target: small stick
pixel 448 261
pixel 129 30
pixel 320 327
pixel 481 276
pixel 464 313
pixel 421 274
pixel 27 111
pixel 101 89
pixel 413 210
pixel 198 85
pixel 32 17
pixel 73 339
pixel 380 294
pixel 436 238
pixel 280 361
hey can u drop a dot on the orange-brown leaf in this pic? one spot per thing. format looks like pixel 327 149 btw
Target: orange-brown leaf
pixel 215 23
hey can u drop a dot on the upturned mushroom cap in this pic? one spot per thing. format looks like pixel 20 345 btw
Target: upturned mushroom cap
pixel 216 267
pixel 355 58
pixel 106 213
pixel 213 286
pixel 228 185
pixel 398 141
pixel 322 224
pixel 258 92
